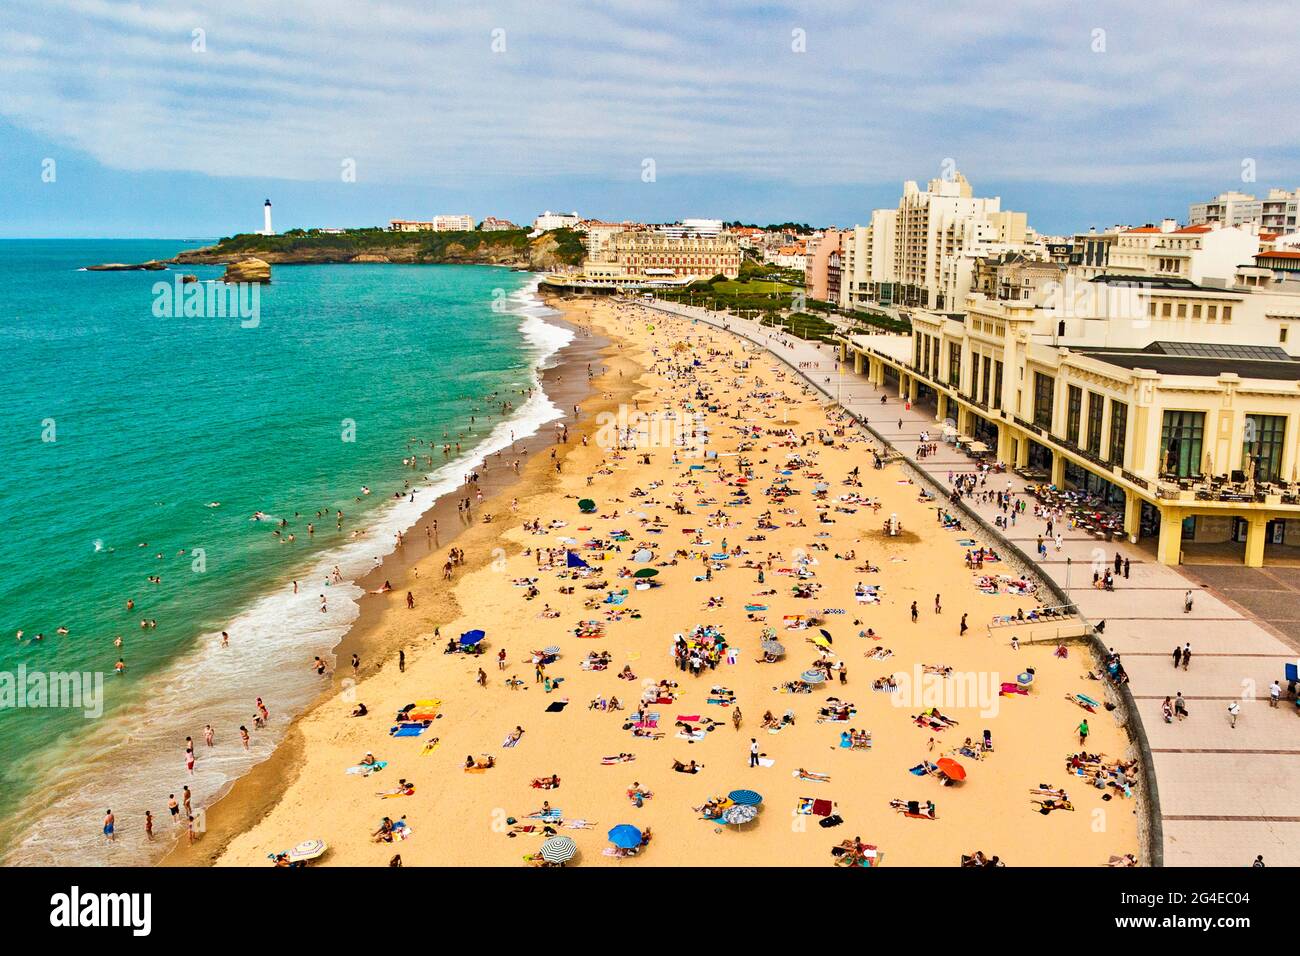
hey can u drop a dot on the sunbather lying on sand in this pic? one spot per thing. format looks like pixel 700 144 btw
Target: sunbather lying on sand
pixel 487 763
pixel 803 774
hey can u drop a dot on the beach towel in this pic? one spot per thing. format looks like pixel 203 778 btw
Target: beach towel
pixel 766 762
pixel 694 736
pixel 511 740
pixel 553 815
pixel 555 706
pixel 406 730
pixel 692 719
pixel 1009 689
pixel 366 770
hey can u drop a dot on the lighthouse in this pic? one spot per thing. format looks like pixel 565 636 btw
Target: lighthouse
pixel 266 219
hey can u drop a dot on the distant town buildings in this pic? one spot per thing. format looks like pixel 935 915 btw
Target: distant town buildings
pixel 436 224
pixel 493 224
pixel 1278 212
pixel 555 220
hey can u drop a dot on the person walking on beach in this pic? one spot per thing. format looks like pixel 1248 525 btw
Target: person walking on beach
pixel 1274 693
pixel 735 718
pixel 481 680
pixel 753 751
pixel 356 665
pixel 109 825
pixel 1187 654
pixel 1178 656
pixel 208 734
pixel 1234 710
pixel 1187 603
pixel 401 661
pixel 938 605
pixel 243 735
pixel 410 601
pixel 1180 706
pixel 174 809
pixel 914 612
pixel 1083 731
pixel 964 628
pixel 148 825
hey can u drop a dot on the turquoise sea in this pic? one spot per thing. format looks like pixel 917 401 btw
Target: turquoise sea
pixel 124 428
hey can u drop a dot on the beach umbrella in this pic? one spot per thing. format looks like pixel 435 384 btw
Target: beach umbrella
pixel 559 849
pixel 586 505
pixel 645 573
pixel 952 768
pixel 740 814
pixel 470 638
pixel 1025 678
pixel 821 641
pixel 573 561
pixel 826 634
pixel 774 648
pixel 306 851
pixel 813 677
pixel 550 650
pixel 625 836
pixel 745 798
pixel 642 556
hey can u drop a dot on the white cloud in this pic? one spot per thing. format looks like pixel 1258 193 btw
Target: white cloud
pixel 414 93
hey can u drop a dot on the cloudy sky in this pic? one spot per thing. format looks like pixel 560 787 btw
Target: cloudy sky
pixel 177 117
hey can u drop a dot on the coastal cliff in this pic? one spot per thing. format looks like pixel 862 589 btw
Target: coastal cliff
pixel 299 247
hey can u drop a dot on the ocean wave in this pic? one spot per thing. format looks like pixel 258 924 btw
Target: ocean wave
pixel 133 758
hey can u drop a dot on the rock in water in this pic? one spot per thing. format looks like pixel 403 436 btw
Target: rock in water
pixel 187 279
pixel 248 270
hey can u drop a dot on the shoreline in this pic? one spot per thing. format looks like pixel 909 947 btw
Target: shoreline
pixel 469 820
pixel 251 795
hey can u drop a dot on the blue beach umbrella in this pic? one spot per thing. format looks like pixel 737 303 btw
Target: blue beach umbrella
pixel 470 638
pixel 745 798
pixel 813 677
pixel 625 836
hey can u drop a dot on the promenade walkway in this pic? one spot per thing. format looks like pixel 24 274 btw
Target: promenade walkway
pixel 1226 793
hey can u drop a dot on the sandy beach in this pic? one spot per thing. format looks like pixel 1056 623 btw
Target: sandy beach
pixel 740 422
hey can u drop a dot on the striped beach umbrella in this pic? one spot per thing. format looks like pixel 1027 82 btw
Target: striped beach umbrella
pixel 306 851
pixel 559 849
pixel 745 798
pixel 739 815
pixel 552 649
pixel 813 677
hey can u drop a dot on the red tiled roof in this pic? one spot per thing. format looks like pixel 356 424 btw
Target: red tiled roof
pixel 1145 229
pixel 1280 254
pixel 1194 229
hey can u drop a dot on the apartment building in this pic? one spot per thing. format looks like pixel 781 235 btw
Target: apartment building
pixel 1279 211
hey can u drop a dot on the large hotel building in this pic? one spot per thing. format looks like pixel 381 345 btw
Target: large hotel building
pixel 1157 382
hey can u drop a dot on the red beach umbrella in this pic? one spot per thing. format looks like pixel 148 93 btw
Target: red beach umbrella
pixel 952 768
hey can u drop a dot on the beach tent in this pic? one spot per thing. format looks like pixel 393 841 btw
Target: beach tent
pixel 470 638
pixel 625 836
pixel 573 561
